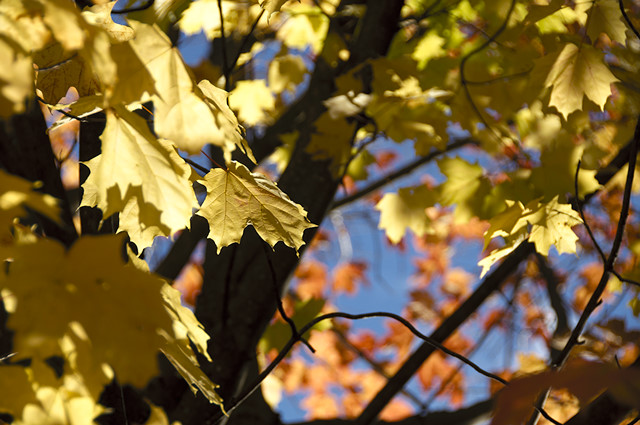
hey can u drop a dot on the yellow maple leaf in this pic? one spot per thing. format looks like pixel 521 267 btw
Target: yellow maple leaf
pixel 605 17
pixel 306 26
pixel 574 72
pixel 97 315
pixel 17 193
pixel 406 210
pixel 253 100
pixel 465 187
pixel 237 198
pixel 189 115
pixel 140 176
pixel 16 79
pixel 545 224
pixel 272 6
pixel 332 140
pixel 204 15
pixel 285 73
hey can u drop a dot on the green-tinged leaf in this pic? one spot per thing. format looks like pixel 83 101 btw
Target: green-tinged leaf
pixel 142 177
pixel 332 140
pixel 278 333
pixel 574 72
pixel 237 198
pixel 406 209
pixel 465 187
pixel 556 174
pixel 605 17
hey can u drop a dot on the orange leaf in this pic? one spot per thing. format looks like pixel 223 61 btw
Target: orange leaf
pixel 348 275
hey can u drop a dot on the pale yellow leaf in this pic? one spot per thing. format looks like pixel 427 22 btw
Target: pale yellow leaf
pixel 96 318
pixel 573 73
pixel 285 73
pixel 99 15
pixel 184 113
pixel 253 100
pixel 16 79
pixel 605 17
pixel 140 176
pixel 237 198
pixel 406 210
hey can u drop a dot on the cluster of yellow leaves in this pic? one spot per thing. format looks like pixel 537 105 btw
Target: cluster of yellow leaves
pixel 97 316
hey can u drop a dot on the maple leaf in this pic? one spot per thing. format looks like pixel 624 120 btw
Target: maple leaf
pixel 87 281
pixel 16 79
pixel 550 224
pixel 189 115
pixel 406 209
pixel 332 140
pixel 17 193
pixel 237 198
pixel 272 6
pixel 253 100
pixel 465 187
pixel 285 73
pixel 605 17
pixel 574 72
pixel 140 176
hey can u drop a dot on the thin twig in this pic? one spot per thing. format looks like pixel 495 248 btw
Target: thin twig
pixel 399 173
pixel 578 203
pixel 289 345
pixel 594 300
pixel 244 42
pixel 463 62
pixel 626 18
pixel 295 335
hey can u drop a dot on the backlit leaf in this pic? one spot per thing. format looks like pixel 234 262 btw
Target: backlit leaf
pixel 574 72
pixel 142 177
pixel 237 198
pixel 406 209
pixel 88 281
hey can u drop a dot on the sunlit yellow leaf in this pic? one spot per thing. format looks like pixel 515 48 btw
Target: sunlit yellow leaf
pixel 465 187
pixel 204 15
pixel 429 47
pixel 253 101
pixel 573 73
pixel 406 210
pixel 285 73
pixel 16 194
pixel 237 198
pixel 605 17
pixel 272 6
pixel 100 16
pixel 140 176
pixel 307 26
pixel 184 113
pixel 16 79
pixel 87 281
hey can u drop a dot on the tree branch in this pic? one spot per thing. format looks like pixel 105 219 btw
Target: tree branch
pixel 383 181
